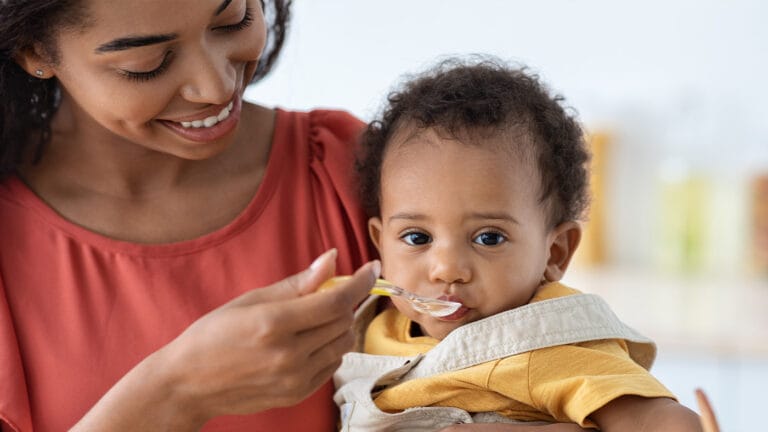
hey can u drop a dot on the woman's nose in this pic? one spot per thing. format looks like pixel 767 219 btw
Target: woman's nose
pixel 450 264
pixel 212 79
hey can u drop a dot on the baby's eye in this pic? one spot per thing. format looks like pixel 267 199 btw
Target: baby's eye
pixel 490 238
pixel 416 238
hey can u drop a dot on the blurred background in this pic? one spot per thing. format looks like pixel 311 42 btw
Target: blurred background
pixel 672 95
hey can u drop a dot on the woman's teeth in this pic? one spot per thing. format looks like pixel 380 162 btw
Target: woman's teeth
pixel 209 121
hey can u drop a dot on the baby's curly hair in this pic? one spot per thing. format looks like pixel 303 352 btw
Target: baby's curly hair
pixel 474 97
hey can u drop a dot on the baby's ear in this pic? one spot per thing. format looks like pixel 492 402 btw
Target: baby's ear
pixel 374 231
pixel 563 240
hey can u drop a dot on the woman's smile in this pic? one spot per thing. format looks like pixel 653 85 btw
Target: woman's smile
pixel 214 124
pixel 209 121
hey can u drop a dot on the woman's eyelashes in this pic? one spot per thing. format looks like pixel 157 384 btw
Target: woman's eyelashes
pixel 244 23
pixel 145 76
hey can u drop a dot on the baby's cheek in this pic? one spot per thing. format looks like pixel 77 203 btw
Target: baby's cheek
pixel 405 308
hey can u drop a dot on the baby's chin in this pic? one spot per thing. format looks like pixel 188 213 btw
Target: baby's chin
pixel 438 329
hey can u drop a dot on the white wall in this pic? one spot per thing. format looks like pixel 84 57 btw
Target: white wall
pixel 600 54
pixel 679 83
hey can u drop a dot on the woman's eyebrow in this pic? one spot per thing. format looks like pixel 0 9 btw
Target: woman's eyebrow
pixel 129 42
pixel 124 43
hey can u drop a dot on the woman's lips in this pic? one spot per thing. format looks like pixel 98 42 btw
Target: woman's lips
pixel 218 130
pixel 212 120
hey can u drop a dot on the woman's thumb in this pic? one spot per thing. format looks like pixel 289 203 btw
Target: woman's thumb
pixel 321 269
pixel 304 282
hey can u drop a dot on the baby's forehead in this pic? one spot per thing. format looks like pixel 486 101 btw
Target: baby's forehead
pixel 516 141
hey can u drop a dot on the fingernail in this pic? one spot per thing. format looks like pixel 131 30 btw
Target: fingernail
pixel 376 268
pixel 330 254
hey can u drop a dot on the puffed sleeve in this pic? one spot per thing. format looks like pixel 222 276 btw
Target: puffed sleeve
pixel 333 143
pixel 14 400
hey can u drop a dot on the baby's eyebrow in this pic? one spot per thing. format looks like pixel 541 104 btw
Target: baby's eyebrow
pixel 502 216
pixel 407 216
pixel 495 216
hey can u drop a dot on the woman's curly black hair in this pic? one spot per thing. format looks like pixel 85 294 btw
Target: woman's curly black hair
pixel 474 97
pixel 27 104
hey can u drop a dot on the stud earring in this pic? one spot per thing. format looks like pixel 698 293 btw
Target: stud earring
pixel 39 73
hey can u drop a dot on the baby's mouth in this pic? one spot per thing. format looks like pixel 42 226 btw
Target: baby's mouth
pixel 451 298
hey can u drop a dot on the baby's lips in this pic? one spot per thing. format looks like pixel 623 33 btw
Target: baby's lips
pixel 451 298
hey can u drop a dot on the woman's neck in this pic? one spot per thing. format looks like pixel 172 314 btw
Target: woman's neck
pixel 125 191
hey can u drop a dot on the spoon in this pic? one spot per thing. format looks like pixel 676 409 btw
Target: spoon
pixel 431 306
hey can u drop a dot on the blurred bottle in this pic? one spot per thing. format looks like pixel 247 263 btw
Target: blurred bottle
pixel 592 250
pixel 759 225
pixel 728 218
pixel 683 220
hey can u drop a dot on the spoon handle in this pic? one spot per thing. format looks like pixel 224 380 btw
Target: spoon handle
pixel 380 287
pixel 386 288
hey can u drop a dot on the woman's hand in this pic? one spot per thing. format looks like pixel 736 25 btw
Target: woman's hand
pixel 270 347
pixel 635 413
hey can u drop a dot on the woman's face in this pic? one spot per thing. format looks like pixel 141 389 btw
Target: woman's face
pixel 167 75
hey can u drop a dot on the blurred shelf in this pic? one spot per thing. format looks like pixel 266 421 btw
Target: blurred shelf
pixel 715 315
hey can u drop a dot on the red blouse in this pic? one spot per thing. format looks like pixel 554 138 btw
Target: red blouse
pixel 79 310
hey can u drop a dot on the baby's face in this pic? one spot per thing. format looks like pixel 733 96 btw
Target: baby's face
pixel 460 222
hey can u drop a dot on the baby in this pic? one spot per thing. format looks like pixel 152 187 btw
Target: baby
pixel 475 180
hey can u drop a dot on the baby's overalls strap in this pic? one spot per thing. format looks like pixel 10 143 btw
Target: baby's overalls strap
pixel 558 321
pixel 564 320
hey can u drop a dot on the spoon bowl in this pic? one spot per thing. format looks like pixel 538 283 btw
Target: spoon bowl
pixel 436 308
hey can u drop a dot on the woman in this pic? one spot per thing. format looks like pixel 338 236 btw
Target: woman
pixel 133 234
pixel 142 202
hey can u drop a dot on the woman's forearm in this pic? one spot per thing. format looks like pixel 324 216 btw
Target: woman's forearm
pixel 146 398
pixel 637 414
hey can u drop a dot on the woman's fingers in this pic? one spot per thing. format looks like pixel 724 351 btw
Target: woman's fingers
pixel 324 374
pixel 317 309
pixel 318 337
pixel 270 347
pixel 708 419
pixel 331 342
pixel 321 325
pixel 293 286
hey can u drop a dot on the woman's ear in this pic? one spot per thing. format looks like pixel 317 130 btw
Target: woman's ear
pixel 34 60
pixel 374 231
pixel 564 239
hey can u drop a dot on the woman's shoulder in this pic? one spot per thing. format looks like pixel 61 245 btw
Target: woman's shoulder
pixel 342 124
pixel 320 127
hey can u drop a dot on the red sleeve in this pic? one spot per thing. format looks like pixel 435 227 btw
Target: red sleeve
pixel 334 136
pixel 14 400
